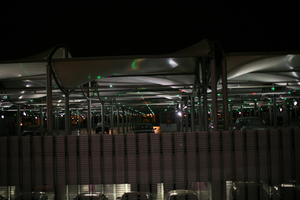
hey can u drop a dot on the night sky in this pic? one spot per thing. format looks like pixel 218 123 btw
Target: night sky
pixel 124 29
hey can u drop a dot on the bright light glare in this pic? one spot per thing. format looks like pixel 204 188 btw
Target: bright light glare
pixel 172 63
pixel 179 114
pixel 2 116
pixel 280 109
pixel 295 103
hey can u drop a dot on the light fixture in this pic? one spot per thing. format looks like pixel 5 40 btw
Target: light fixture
pixel 295 103
pixel 172 63
pixel 179 114
pixel 2 116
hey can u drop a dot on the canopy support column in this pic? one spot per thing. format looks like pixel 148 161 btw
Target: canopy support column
pixel 67 114
pixel 89 114
pixel 118 120
pixel 102 117
pixel 49 100
pixel 214 97
pixel 192 114
pixel 225 92
pixel 204 66
pixel 18 120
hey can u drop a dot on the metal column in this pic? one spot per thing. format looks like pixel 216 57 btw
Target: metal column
pixel 49 100
pixel 67 114
pixel 41 119
pixel 112 118
pixel 123 121
pixel 274 111
pixel 127 123
pixel 214 97
pixel 225 92
pixel 102 117
pixel 192 114
pixel 18 121
pixel 118 120
pixel 89 114
pixel 204 91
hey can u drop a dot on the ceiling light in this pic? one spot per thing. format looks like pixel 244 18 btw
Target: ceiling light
pixel 179 114
pixel 172 63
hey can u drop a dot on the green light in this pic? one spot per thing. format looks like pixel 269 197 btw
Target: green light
pixel 273 88
pixel 289 92
pixel 110 85
pixel 98 77
pixel 133 65
pixel 229 100
pixel 218 94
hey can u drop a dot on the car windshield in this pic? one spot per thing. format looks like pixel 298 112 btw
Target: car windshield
pixel 250 122
pixel 135 196
pixel 184 197
pixel 143 127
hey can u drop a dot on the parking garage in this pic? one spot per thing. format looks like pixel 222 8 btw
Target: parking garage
pixel 225 126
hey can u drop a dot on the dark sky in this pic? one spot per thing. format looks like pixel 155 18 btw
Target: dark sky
pixel 122 29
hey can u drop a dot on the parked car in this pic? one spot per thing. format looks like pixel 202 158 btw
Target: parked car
pixel 182 195
pixel 32 196
pixel 249 123
pixel 143 128
pixel 136 196
pixel 91 196
pixel 2 198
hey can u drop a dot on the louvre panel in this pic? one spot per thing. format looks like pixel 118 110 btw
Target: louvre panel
pixel 60 159
pixel 84 159
pixel 239 155
pixel 275 157
pixel 37 166
pixel 204 156
pixel 49 157
pixel 191 157
pixel 179 161
pixel 297 156
pixel 228 155
pixel 143 159
pixel 253 191
pixel 26 164
pixel 155 159
pixel 120 158
pixel 287 147
pixel 72 160
pixel 108 159
pixel 252 161
pixel 3 161
pixel 168 160
pixel 95 162
pixel 263 155
pixel 216 148
pixel 14 160
pixel 131 158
